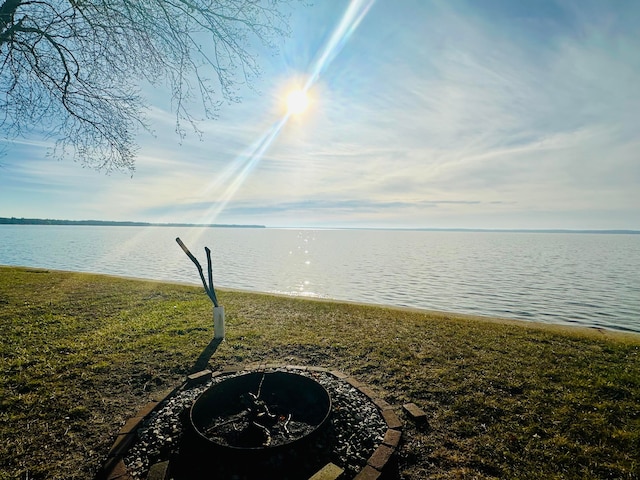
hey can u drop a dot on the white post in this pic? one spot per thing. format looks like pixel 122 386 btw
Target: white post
pixel 218 322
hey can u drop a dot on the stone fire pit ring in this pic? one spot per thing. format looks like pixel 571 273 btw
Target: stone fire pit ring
pixel 143 447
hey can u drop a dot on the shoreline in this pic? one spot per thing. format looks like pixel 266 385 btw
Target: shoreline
pixel 584 330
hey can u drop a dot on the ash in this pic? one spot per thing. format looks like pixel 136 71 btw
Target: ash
pixel 355 431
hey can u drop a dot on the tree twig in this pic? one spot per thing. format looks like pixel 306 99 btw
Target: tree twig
pixel 210 293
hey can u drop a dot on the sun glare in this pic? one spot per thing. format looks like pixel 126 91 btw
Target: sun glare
pixel 297 102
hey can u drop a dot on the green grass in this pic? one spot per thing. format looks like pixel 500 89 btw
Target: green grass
pixel 82 353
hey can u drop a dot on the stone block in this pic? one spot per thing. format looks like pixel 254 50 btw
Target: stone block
pixel 367 391
pixel 392 437
pixel 316 369
pixel 338 374
pixel 353 382
pixel 393 421
pixel 382 404
pixel 415 412
pixel 368 473
pixel 159 471
pixel 380 457
pixel 199 377
pixel 329 472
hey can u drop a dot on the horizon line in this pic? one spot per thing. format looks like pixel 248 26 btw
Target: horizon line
pixel 40 221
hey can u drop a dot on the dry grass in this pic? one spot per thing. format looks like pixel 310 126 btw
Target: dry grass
pixel 81 353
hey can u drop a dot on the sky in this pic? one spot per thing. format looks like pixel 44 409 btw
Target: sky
pixel 490 114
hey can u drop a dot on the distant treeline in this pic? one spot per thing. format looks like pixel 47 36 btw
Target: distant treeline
pixel 105 223
pixel 481 230
pixel 40 221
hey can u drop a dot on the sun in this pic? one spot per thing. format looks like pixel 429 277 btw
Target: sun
pixel 297 102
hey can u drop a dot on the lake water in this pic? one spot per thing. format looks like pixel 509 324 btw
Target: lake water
pixel 588 279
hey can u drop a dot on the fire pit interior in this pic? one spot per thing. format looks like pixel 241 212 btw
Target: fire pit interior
pixel 259 411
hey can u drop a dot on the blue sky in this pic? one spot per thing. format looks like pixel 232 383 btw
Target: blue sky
pixel 425 114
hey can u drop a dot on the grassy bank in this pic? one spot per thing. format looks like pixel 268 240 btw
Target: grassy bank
pixel 81 353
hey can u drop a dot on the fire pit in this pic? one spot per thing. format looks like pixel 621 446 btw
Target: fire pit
pixel 260 411
pixel 304 419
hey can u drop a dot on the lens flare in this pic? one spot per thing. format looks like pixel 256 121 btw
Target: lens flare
pixel 297 102
pixel 354 14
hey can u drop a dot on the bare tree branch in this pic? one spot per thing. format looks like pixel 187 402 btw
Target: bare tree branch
pixel 72 68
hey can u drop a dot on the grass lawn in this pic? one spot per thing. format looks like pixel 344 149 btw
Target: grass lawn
pixel 82 353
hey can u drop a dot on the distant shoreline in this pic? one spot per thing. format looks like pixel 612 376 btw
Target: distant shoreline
pixel 475 230
pixel 110 223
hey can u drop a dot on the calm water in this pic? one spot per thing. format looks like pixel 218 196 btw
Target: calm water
pixel 586 279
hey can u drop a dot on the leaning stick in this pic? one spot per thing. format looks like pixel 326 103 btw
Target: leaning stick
pixel 197 264
pixel 213 292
